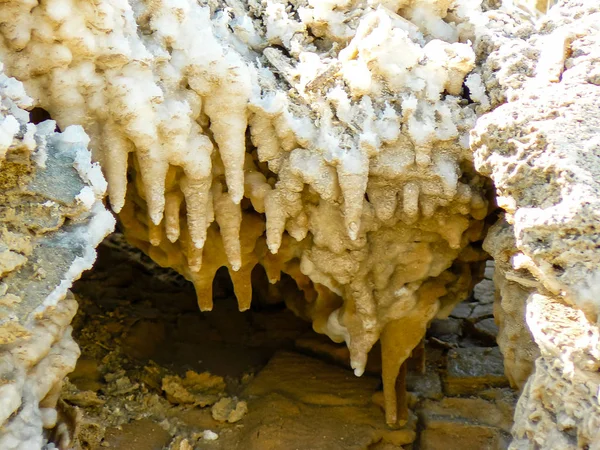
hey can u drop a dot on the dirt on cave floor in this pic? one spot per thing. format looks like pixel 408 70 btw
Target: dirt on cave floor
pixel 156 373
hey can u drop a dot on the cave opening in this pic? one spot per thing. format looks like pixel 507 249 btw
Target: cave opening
pixel 156 372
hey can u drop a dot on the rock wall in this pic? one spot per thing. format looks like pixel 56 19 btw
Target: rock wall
pixel 541 149
pixel 51 220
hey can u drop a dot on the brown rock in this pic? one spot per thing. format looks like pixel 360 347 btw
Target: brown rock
pixel 229 409
pixel 473 410
pixel 201 389
pixel 312 381
pixel 456 436
pixel 300 402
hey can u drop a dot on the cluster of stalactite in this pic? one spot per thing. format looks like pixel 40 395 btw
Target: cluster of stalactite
pixel 325 140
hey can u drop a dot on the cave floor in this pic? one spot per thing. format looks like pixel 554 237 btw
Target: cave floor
pixel 156 373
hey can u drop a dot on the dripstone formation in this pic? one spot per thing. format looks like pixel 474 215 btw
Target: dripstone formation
pixel 325 141
pixel 350 144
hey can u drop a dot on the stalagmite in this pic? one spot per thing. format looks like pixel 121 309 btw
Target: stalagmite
pixel 398 339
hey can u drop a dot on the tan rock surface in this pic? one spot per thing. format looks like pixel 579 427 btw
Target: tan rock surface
pixel 541 149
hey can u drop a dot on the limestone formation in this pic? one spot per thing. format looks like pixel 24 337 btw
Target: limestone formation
pixel 51 220
pixel 325 140
pixel 542 149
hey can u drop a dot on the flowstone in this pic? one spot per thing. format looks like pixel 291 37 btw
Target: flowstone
pixel 51 220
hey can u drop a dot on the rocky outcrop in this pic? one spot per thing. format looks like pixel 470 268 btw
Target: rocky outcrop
pixel 541 149
pixel 51 220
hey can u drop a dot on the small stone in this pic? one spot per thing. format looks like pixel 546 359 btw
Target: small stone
pixel 488 328
pixel 82 398
pixel 462 311
pixel 9 300
pixel 481 312
pixel 490 268
pixel 209 435
pixel 121 386
pixel 472 369
pixel 199 389
pixel 485 291
pixel 180 443
pixel 229 409
pixel 445 327
pixel 447 332
pixel 185 445
pixel 427 385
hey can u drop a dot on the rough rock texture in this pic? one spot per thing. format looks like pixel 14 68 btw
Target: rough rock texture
pixel 329 140
pixel 512 290
pixel 325 140
pixel 542 149
pixel 51 220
